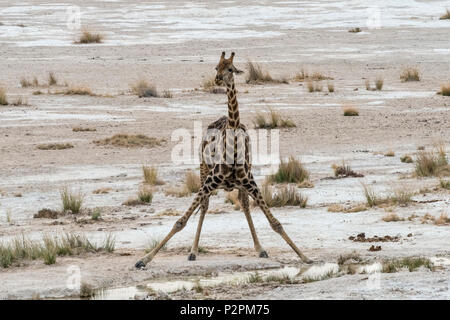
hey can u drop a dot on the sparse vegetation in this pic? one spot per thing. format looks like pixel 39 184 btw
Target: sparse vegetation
pixel 86 290
pixel 78 90
pixel 399 196
pixel 314 86
pixel 389 153
pixel 291 171
pixel 102 191
pixel 191 185
pixel 151 176
pixel 410 74
pixel 20 248
pixel 304 75
pixel 411 263
pixel 52 81
pixel 446 15
pixel 3 97
pixel 273 121
pixel 379 83
pixel 83 129
pixel 20 102
pixel 96 215
pixel 131 141
pixel 355 30
pixel 392 217
pixel 330 87
pixel 55 146
pixel 344 170
pixel 351 112
pixel 443 219
pixel 233 198
pixel 445 90
pixel 71 201
pixel 88 37
pixel 285 196
pixel 167 94
pixel 153 243
pixel 347 209
pixel 406 159
pixel 145 195
pixel 445 184
pixel 143 88
pixel 257 75
pixel 354 257
pixel 432 163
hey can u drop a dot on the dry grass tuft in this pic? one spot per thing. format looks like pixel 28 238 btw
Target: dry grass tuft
pixel 355 30
pixel 151 176
pixel 304 75
pixel 445 90
pixel 142 88
pixel 273 121
pixel 432 163
pixel 192 182
pixel 389 153
pixel 52 81
pixel 3 97
pixel 351 112
pixel 347 209
pixel 330 87
pixel 445 184
pixel 102 191
pixel 88 37
pixel 233 198
pixel 314 86
pixel 399 196
pixel 443 219
pixel 131 141
pixel 292 171
pixel 78 90
pixel 344 170
pixel 392 217
pixel 285 196
pixel 20 102
pixel 446 15
pixel 379 83
pixel 257 75
pixel 55 146
pixel 83 129
pixel 406 159
pixel 167 94
pixel 410 74
pixel 71 201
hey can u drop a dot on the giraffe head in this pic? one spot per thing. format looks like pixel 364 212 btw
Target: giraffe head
pixel 225 70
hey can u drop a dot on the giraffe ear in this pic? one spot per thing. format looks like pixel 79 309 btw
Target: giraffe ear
pixel 231 57
pixel 222 56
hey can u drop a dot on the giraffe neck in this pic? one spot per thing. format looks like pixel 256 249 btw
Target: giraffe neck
pixel 233 109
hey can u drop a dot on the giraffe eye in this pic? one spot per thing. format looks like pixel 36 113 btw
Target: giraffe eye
pixel 231 70
pixel 215 68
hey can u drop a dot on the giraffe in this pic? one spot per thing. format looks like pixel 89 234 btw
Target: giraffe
pixel 225 164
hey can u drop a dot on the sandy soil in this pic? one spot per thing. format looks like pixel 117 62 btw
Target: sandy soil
pixel 176 46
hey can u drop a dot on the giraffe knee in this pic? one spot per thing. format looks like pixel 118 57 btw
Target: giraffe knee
pixel 276 226
pixel 179 225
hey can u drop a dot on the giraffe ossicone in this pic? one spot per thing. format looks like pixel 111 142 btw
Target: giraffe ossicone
pixel 225 163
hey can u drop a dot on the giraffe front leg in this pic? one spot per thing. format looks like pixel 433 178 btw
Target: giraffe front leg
pixel 178 226
pixel 255 193
pixel 194 249
pixel 243 198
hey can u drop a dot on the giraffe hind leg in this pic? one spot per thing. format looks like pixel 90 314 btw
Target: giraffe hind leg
pixel 255 193
pixel 243 199
pixel 194 249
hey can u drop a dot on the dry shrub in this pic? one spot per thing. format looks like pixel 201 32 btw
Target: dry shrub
pixel 410 74
pixel 102 191
pixel 285 196
pixel 443 219
pixel 379 83
pixel 131 141
pixel 392 217
pixel 89 37
pixel 142 88
pixel 233 198
pixel 167 94
pixel 347 209
pixel 315 76
pixel 192 182
pixel 3 97
pixel 446 15
pixel 330 87
pixel 406 159
pixel 52 81
pixel 389 153
pixel 445 90
pixel 314 86
pixel 273 121
pixel 151 176
pixel 257 75
pixel 351 112
pixel 292 171
pixel 78 90
pixel 355 30
pixel 344 170
pixel 432 163
pixel 55 146
pixel 83 129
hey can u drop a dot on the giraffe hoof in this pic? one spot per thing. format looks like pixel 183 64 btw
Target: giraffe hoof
pixel 139 265
pixel 308 261
pixel 263 254
pixel 192 257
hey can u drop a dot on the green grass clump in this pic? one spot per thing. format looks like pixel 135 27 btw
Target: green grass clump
pixel 291 171
pixel 71 201
pixel 411 263
pixel 145 195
